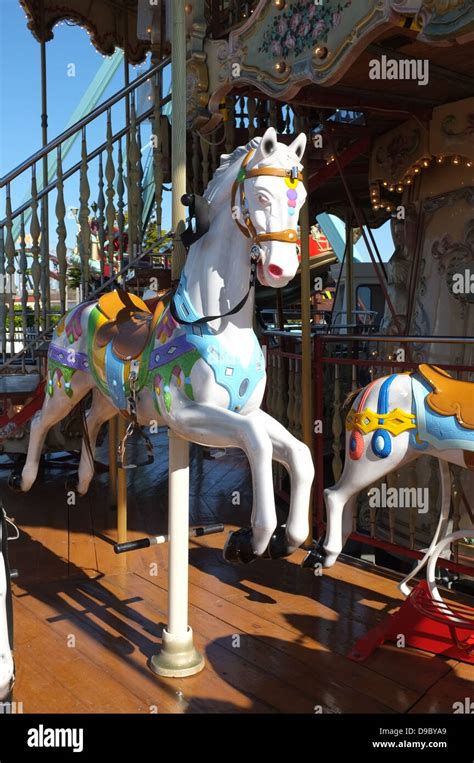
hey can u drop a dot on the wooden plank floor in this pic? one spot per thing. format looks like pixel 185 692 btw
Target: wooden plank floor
pixel 274 636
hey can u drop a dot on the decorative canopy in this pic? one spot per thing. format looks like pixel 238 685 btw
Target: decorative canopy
pixel 110 23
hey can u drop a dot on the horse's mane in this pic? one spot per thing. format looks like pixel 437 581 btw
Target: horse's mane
pixel 216 184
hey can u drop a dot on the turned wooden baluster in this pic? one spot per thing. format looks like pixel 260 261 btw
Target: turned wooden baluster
pixel 120 204
pixel 372 520
pixel 298 403
pixel 84 227
pixel 262 114
pixel 392 480
pixel 132 183
pixel 110 193
pixel 275 394
pixel 3 324
pixel 270 382
pixel 456 492
pixel 241 108
pixel 61 250
pixel 336 427
pixel 354 378
pixel 44 264
pixel 140 186
pixel 205 162
pixel 273 114
pixel 280 121
pixel 282 390
pixel 23 268
pixel 196 164
pixel 35 231
pixel 158 156
pixel 101 220
pixel 290 409
pixel 214 157
pixel 9 286
pixel 251 111
pixel 229 124
pixel 297 124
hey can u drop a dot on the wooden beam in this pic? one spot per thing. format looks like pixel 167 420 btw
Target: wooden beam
pixel 356 99
pixel 345 158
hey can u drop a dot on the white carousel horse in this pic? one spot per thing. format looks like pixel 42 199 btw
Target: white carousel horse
pixel 393 421
pixel 7 667
pixel 196 365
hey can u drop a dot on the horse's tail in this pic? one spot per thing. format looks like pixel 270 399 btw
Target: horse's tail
pixel 84 432
pixel 347 404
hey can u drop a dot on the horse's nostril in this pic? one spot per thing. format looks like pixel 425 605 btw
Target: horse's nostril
pixel 275 270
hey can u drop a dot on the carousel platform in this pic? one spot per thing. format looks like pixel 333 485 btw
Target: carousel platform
pixel 274 636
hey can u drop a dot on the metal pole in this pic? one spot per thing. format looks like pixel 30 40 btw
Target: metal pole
pixel 349 270
pixel 45 202
pixel 306 345
pixel 178 656
pixel 178 134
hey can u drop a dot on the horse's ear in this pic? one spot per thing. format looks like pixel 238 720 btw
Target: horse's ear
pixel 267 145
pixel 298 146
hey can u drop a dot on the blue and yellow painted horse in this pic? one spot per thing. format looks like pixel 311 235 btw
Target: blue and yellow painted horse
pixel 392 422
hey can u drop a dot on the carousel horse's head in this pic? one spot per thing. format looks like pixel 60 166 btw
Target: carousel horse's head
pixel 270 193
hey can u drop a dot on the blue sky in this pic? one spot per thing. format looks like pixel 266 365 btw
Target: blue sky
pixel 20 99
pixel 20 103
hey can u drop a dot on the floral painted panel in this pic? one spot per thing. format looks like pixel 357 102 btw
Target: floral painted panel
pixel 300 26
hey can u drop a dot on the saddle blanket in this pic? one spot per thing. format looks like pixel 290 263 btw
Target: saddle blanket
pixel 442 432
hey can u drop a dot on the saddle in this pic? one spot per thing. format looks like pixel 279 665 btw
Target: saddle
pixel 129 323
pixel 450 396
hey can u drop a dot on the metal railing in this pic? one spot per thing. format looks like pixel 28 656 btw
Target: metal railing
pixel 109 225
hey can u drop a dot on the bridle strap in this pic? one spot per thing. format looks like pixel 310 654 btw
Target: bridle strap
pixel 287 236
pixel 273 171
pixel 248 229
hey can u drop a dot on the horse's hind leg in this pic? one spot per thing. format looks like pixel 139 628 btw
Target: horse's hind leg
pixel 55 408
pixel 100 411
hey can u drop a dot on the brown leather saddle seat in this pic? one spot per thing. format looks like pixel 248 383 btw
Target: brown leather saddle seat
pixel 128 326
pixel 450 397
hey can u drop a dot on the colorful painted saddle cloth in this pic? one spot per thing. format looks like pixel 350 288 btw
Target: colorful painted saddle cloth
pixel 121 329
pixel 444 410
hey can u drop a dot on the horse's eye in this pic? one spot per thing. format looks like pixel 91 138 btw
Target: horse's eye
pixel 263 200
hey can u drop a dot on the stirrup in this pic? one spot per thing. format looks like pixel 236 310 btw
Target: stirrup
pixel 122 448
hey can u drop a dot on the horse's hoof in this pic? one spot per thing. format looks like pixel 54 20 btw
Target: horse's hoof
pixel 238 547
pixel 14 482
pixel 278 546
pixel 315 557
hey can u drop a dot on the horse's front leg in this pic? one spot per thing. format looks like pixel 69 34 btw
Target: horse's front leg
pixel 296 458
pixel 218 427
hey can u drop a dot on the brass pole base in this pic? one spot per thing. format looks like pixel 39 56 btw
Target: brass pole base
pixel 178 658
